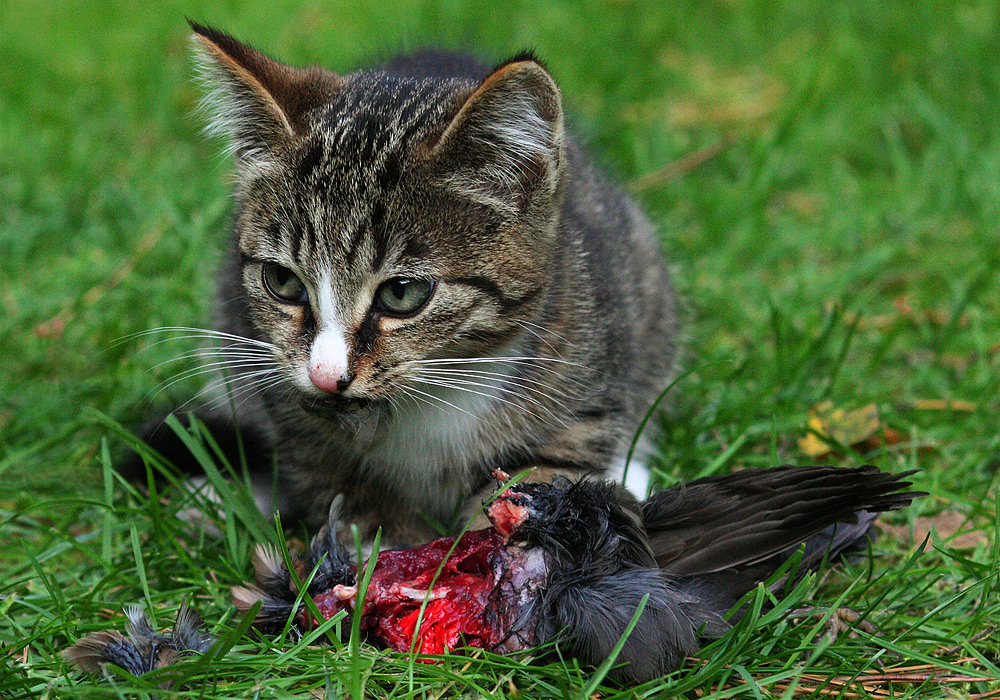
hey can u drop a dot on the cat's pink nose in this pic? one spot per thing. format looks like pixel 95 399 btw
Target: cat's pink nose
pixel 332 380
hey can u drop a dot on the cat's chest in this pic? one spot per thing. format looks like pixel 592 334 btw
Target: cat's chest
pixel 433 442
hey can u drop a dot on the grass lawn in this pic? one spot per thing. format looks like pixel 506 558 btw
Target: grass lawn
pixel 826 177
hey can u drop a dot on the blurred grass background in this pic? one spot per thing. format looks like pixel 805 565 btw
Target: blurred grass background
pixel 837 241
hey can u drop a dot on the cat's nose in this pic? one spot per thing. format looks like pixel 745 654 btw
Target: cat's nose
pixel 329 379
pixel 328 361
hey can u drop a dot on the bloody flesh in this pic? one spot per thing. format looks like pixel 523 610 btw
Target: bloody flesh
pixel 463 602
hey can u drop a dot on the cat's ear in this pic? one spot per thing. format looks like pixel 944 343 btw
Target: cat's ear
pixel 257 102
pixel 504 146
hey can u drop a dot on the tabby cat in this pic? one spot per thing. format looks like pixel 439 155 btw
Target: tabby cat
pixel 427 281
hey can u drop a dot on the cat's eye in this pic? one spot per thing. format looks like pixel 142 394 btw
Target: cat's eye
pixel 283 284
pixel 403 297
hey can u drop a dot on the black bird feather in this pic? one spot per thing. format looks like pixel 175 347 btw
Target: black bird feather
pixel 142 648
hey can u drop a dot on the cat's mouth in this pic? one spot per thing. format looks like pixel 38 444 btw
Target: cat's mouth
pixel 333 406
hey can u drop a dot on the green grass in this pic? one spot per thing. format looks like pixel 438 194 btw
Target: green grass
pixel 843 246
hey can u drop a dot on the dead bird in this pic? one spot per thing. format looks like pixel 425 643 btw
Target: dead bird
pixel 564 562
pixel 571 562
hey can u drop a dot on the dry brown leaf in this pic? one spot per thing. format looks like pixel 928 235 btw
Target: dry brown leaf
pixel 946 524
pixel 846 427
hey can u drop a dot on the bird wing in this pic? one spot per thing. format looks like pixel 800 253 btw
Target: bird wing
pixel 734 520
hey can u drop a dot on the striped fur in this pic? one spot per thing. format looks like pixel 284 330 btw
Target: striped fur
pixel 552 324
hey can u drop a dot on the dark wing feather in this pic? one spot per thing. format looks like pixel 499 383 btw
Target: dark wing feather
pixel 745 518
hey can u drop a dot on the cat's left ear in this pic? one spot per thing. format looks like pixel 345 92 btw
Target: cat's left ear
pixel 259 103
pixel 504 146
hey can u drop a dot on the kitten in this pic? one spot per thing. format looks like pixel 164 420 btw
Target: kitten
pixel 427 281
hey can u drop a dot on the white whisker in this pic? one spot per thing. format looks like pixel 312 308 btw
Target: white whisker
pixel 208 368
pixel 465 382
pixel 454 387
pixel 438 398
pixel 563 338
pixel 234 353
pixel 247 392
pixel 514 380
pixel 214 384
pixel 500 358
pixel 232 362
pixel 201 333
pixel 539 336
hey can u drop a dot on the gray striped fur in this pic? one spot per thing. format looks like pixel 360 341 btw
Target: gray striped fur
pixel 434 166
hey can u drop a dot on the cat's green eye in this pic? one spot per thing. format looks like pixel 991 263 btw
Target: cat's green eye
pixel 283 284
pixel 402 297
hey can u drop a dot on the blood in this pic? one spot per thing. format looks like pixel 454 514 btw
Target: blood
pixel 506 515
pixel 461 601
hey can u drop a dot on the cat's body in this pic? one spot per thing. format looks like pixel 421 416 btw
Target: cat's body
pixel 546 322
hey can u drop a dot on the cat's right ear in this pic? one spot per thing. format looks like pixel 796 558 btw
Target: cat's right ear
pixel 260 104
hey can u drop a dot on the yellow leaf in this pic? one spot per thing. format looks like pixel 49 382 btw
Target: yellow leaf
pixel 844 427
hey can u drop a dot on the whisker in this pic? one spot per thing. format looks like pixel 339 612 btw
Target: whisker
pixel 233 361
pixel 512 379
pixel 231 391
pixel 463 363
pixel 192 332
pixel 563 338
pixel 417 401
pixel 539 336
pixel 211 385
pixel 438 398
pixel 249 353
pixel 521 395
pixel 207 369
pixel 496 398
pixel 524 358
pixel 247 392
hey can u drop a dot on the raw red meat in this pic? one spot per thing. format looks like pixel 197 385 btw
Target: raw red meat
pixel 462 601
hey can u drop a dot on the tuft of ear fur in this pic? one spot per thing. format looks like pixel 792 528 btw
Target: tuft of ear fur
pixel 258 103
pixel 504 147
